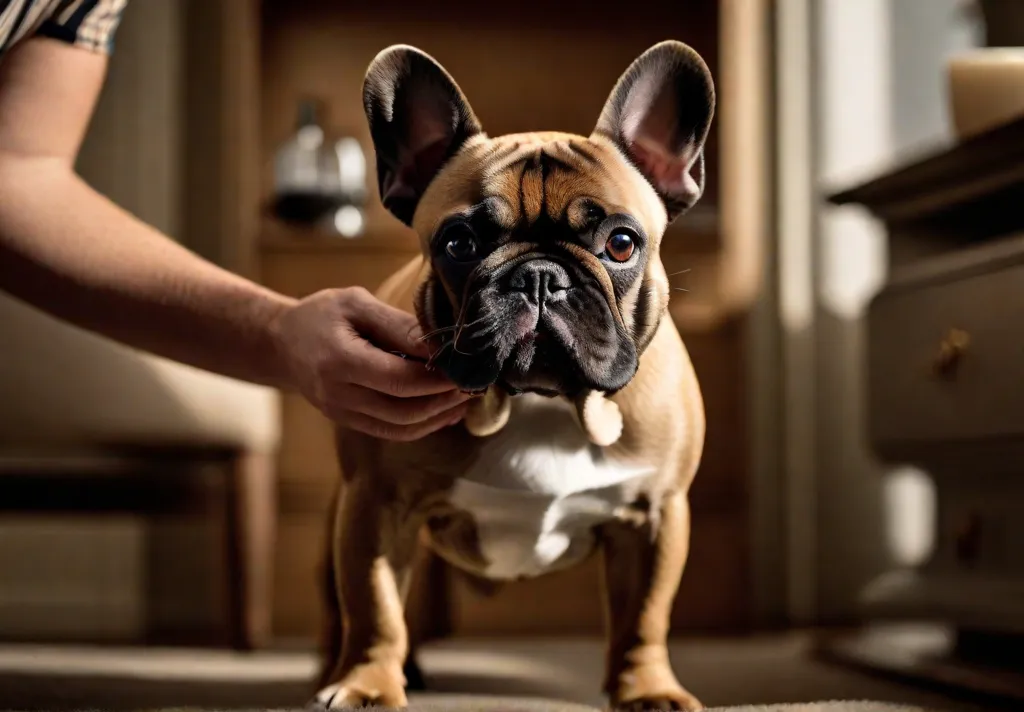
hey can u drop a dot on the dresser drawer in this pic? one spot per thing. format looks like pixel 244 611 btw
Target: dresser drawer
pixel 946 357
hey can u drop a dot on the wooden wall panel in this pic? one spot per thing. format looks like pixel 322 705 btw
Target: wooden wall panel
pixel 297 606
pixel 222 86
pixel 132 152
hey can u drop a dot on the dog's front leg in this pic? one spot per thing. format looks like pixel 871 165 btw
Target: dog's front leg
pixel 373 545
pixel 642 568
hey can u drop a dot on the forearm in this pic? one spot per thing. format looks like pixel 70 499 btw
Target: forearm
pixel 71 252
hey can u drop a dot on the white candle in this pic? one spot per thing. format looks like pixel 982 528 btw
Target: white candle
pixel 986 88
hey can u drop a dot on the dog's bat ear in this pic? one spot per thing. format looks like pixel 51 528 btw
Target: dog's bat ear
pixel 418 119
pixel 659 114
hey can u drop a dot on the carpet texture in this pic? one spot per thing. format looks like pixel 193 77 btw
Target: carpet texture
pixel 551 675
pixel 502 704
pixel 482 703
pixel 456 703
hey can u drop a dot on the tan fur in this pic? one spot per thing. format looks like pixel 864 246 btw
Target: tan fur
pixel 391 492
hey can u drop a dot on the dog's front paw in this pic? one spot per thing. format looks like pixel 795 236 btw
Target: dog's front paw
pixel 367 685
pixel 662 702
pixel 652 688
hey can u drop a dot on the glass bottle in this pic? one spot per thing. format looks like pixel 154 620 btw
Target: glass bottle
pixel 318 182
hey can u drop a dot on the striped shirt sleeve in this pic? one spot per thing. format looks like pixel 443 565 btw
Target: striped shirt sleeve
pixel 90 24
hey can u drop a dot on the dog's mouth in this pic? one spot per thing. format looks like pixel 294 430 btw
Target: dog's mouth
pixel 539 363
pixel 536 364
pixel 543 354
pixel 549 329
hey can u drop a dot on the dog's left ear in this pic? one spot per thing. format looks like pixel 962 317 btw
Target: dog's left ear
pixel 418 119
pixel 659 114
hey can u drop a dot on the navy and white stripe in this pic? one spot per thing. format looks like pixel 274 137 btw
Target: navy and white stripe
pixel 89 24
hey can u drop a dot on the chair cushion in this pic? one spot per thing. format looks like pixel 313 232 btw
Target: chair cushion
pixel 61 385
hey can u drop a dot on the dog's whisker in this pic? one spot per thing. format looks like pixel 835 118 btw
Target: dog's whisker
pixel 437 353
pixel 460 323
pixel 459 334
pixel 682 271
pixel 679 289
pixel 473 323
pixel 459 327
pixel 436 332
pixel 462 310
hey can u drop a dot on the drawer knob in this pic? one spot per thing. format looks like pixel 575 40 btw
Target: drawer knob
pixel 967 539
pixel 951 351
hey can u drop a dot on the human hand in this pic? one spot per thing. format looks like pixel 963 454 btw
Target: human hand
pixel 338 346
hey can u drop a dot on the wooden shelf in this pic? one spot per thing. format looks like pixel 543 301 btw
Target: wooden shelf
pixel 945 178
pixel 949 202
pixel 280 238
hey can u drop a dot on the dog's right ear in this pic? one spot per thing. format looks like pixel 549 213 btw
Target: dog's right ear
pixel 418 119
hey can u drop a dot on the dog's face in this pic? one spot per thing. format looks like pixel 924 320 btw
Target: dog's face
pixel 545 274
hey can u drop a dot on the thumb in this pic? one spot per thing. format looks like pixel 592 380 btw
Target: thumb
pixel 389 328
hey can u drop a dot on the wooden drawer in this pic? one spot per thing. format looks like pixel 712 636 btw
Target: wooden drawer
pixel 946 353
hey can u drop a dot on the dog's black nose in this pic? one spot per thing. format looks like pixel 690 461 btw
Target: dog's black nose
pixel 541 280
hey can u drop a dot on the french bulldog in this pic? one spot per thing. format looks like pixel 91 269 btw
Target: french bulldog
pixel 541 287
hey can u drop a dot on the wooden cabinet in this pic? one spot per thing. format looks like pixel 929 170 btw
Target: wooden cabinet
pixel 946 377
pixel 942 354
pixel 527 66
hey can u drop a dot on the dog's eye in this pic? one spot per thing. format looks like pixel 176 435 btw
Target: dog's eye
pixel 620 246
pixel 461 246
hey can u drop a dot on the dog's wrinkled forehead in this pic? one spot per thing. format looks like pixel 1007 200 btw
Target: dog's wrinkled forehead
pixel 548 181
pixel 645 154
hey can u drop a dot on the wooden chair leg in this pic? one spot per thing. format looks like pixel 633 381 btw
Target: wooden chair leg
pixel 251 533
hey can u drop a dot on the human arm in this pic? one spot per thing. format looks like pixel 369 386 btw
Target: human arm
pixel 74 254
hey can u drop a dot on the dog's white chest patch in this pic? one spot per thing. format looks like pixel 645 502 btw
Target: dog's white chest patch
pixel 539 487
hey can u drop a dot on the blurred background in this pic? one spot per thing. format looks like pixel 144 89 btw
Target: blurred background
pixel 161 529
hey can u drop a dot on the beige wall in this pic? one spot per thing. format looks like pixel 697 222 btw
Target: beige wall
pixel 133 152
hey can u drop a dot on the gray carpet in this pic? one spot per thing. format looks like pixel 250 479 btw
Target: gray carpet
pixel 506 704
pixel 560 675
pixel 482 703
pixel 511 704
